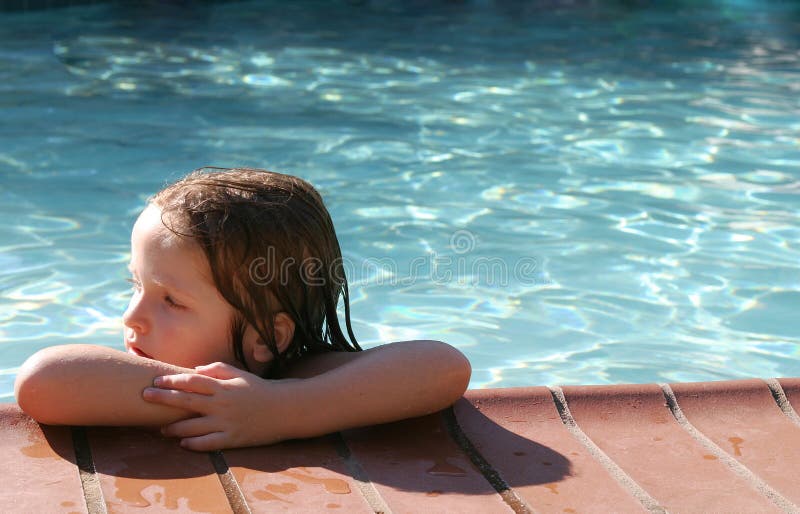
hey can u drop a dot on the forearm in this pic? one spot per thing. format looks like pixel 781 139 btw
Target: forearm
pixel 384 384
pixel 323 393
pixel 92 385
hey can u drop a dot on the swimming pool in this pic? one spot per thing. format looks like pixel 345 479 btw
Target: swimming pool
pixel 568 194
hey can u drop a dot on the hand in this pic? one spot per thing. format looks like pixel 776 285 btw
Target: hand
pixel 229 404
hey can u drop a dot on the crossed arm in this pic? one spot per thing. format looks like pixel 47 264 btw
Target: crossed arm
pixel 220 406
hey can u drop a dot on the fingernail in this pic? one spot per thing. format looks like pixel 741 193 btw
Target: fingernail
pixel 157 381
pixel 148 392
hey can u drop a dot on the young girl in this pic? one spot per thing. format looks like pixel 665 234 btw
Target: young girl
pixel 232 333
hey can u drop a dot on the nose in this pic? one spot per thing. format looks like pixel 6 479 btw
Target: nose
pixel 135 316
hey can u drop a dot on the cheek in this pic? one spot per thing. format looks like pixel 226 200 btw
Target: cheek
pixel 217 341
pixel 174 334
pixel 207 341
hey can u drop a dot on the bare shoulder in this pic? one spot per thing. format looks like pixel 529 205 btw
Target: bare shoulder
pixel 386 354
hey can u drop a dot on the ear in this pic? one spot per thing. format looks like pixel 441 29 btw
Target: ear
pixel 283 327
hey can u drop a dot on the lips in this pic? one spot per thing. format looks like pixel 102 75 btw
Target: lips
pixel 135 351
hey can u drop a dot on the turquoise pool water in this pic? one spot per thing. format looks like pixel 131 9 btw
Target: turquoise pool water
pixel 569 194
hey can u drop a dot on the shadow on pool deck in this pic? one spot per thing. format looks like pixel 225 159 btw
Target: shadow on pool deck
pixel 716 446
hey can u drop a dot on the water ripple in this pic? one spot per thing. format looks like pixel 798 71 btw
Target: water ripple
pixel 632 210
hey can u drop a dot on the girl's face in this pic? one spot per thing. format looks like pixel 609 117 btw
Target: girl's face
pixel 176 314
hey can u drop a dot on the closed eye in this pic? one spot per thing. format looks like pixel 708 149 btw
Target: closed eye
pixel 172 303
pixel 137 287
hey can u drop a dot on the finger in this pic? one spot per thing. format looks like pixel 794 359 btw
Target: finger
pixel 219 370
pixel 191 427
pixel 206 443
pixel 173 398
pixel 189 382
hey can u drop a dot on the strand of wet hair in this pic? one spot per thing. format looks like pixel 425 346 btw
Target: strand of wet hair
pixel 346 298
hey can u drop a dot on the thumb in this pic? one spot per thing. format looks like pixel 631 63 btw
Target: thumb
pixel 219 370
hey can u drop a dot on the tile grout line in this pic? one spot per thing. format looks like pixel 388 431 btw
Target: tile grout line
pixel 734 465
pixel 229 484
pixel 506 492
pixel 617 473
pixel 357 473
pixel 90 484
pixel 780 398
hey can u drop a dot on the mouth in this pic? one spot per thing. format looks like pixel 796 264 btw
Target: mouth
pixel 135 351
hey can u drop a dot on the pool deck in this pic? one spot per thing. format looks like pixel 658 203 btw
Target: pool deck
pixel 691 447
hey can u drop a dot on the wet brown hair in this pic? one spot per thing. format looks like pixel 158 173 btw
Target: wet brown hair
pixel 271 247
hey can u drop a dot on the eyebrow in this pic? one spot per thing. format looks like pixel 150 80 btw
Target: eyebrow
pixel 167 285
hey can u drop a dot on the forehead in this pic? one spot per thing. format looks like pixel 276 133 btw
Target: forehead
pixel 149 227
pixel 160 252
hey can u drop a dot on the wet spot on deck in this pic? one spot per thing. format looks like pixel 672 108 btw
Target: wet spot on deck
pixel 332 485
pixel 736 442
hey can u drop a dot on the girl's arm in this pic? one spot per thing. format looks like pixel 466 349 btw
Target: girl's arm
pixel 327 393
pixel 386 383
pixel 92 385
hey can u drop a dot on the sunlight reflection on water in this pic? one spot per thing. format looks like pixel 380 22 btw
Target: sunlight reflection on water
pixel 623 181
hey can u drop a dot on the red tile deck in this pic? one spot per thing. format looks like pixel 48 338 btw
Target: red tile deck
pixel 692 447
pixel 40 468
